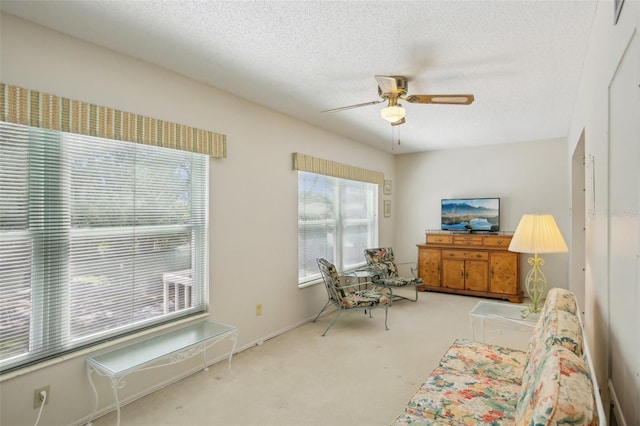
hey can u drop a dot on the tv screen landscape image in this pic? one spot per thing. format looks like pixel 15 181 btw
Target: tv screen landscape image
pixel 471 214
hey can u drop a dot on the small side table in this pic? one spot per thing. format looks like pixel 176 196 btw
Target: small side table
pixel 509 314
pixel 375 278
pixel 369 275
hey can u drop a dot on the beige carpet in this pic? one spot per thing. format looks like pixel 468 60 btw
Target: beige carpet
pixel 358 374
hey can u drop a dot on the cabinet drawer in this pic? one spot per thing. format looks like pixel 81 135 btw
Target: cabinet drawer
pixel 467 240
pixel 439 239
pixel 497 241
pixel 465 255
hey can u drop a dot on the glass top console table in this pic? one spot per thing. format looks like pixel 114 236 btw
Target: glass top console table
pixel 164 349
pixel 506 313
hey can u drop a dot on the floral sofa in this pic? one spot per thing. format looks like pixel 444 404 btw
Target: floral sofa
pixel 482 384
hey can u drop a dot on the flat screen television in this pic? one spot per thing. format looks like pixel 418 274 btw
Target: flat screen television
pixel 470 214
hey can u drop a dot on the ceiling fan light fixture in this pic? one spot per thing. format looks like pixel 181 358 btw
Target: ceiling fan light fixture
pixel 393 113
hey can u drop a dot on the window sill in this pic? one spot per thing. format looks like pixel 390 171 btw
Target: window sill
pixel 99 347
pixel 310 283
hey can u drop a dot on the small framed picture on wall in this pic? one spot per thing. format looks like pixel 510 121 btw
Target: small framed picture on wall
pixel 387 208
pixel 387 187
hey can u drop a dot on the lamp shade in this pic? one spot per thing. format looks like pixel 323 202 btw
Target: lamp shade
pixel 393 113
pixel 538 233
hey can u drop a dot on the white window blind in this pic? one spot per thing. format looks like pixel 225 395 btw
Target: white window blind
pixel 88 228
pixel 337 220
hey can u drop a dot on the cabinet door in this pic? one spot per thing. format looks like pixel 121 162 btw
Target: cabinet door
pixel 429 266
pixel 504 273
pixel 453 273
pixel 476 275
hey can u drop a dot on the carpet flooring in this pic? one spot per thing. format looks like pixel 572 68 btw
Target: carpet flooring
pixel 358 374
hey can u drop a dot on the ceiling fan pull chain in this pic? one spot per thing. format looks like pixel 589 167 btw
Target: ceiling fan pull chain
pixel 395 136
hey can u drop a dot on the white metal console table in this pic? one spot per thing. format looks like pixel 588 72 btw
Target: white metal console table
pixel 159 351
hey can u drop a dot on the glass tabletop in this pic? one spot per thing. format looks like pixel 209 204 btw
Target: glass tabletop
pixel 363 273
pixel 133 356
pixel 504 310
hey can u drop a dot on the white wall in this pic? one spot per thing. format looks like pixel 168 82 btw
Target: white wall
pixel 253 195
pixel 608 111
pixel 253 192
pixel 528 177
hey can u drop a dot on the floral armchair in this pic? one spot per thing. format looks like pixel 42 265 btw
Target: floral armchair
pixel 383 260
pixel 349 297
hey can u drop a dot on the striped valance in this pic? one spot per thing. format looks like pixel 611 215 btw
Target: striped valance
pixel 35 109
pixel 306 163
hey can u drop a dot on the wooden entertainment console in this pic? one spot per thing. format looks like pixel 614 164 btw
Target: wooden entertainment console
pixel 471 264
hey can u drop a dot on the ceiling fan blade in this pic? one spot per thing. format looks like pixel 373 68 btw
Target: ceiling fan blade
pixel 440 99
pixel 396 123
pixel 353 106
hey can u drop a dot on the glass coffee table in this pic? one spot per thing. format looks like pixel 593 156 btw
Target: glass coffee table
pixel 505 314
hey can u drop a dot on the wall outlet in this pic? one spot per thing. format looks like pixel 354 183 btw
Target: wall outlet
pixel 259 309
pixel 38 399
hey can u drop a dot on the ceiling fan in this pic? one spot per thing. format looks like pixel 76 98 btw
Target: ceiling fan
pixel 392 89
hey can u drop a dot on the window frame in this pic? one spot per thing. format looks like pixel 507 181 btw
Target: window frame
pixel 340 222
pixel 57 339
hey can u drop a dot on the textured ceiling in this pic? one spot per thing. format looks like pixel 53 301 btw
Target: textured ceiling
pixel 521 59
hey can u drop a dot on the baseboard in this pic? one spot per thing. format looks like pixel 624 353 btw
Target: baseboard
pixel 275 334
pixel 86 420
pixel 615 403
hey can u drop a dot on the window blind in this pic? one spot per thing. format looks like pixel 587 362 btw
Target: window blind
pixel 337 220
pixel 88 229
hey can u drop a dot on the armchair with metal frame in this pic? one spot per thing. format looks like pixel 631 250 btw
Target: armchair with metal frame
pixel 382 259
pixel 348 297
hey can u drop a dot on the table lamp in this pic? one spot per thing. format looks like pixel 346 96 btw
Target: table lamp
pixel 537 233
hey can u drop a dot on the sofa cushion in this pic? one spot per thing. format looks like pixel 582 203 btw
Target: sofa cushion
pixel 559 299
pixel 562 328
pixel 465 399
pixel 408 419
pixel 555 328
pixel 558 328
pixel 497 362
pixel 561 392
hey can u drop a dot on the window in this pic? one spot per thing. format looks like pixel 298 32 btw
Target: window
pixel 337 220
pixel 88 229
